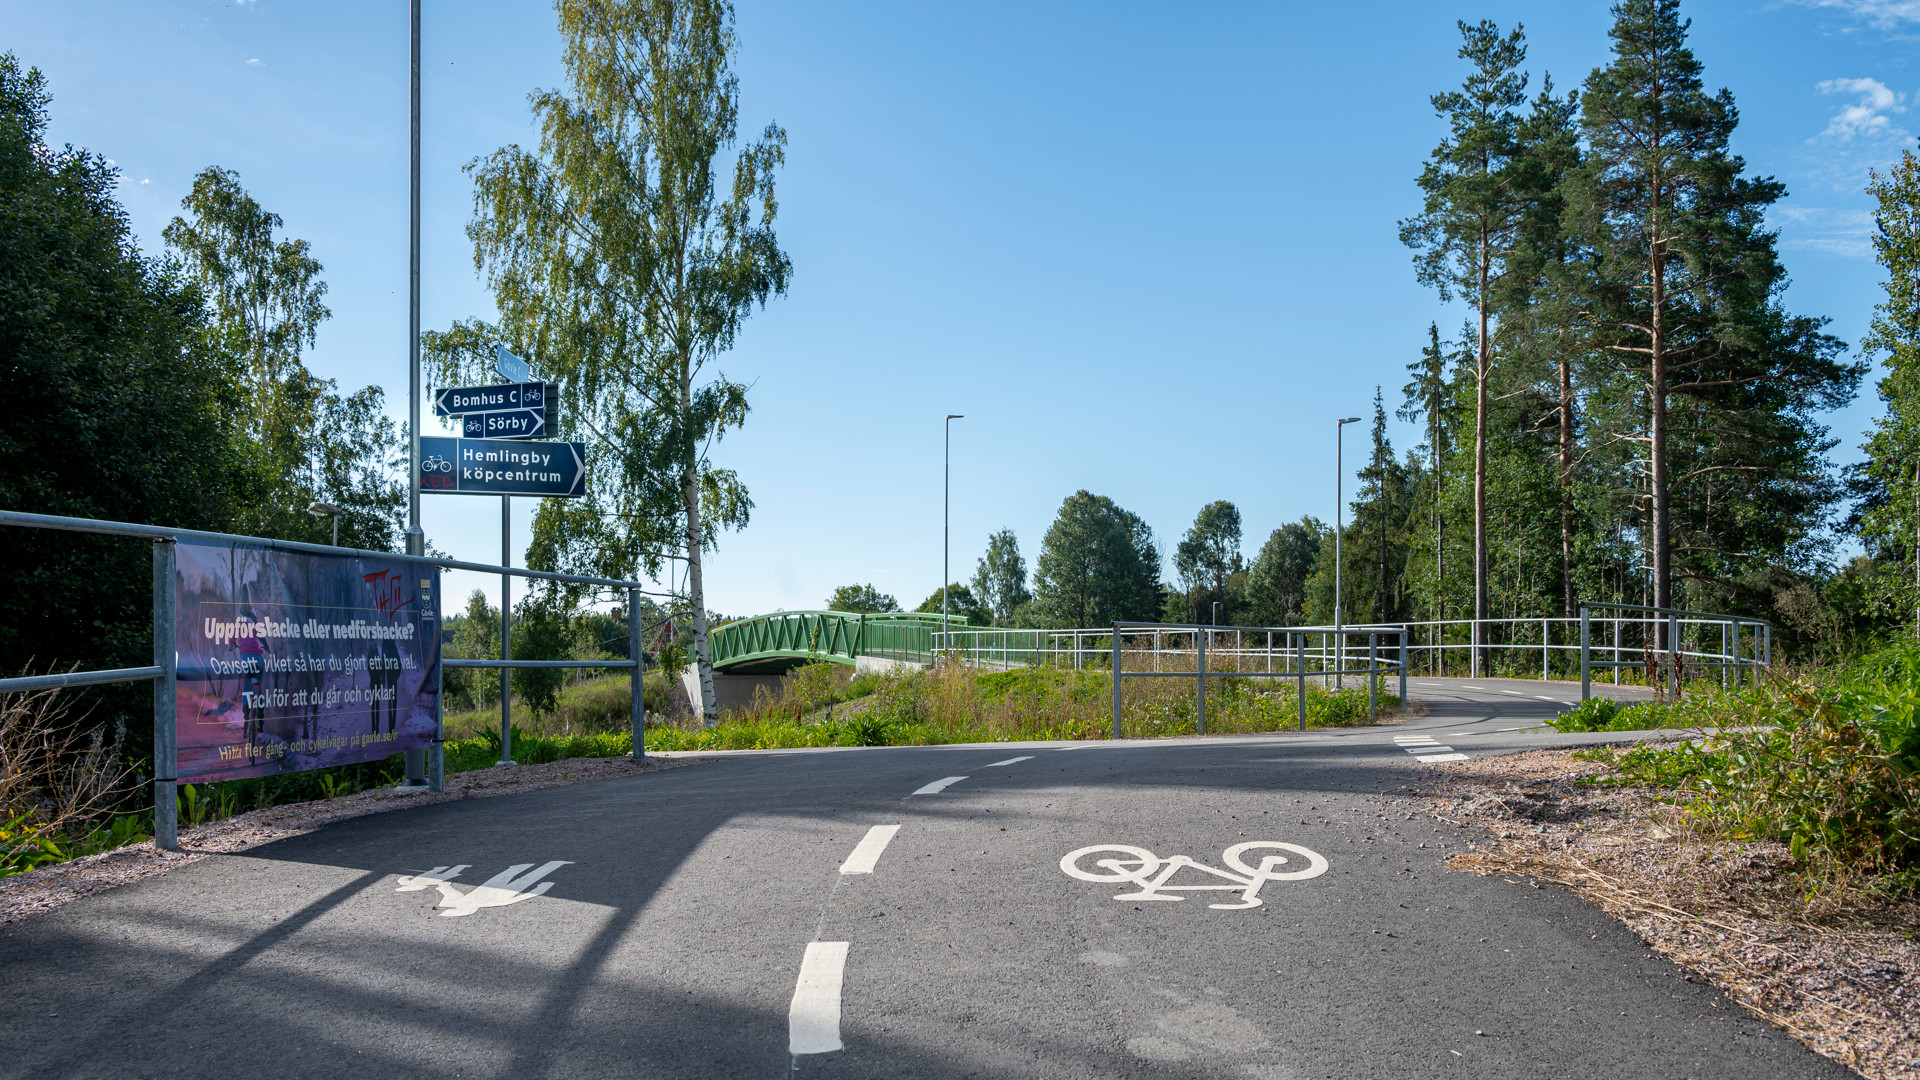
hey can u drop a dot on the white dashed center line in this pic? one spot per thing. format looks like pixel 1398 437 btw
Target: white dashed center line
pixel 938 786
pixel 1442 757
pixel 813 1020
pixel 867 851
pixel 1515 693
pixel 1011 760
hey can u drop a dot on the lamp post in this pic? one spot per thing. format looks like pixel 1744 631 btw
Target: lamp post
pixel 1339 476
pixel 946 524
pixel 326 509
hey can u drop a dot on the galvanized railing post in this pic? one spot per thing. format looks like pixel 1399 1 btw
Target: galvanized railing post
pixel 1586 656
pixel 1300 674
pixel 637 708
pixel 1116 680
pixel 417 764
pixel 1403 669
pixel 1373 676
pixel 166 804
pixel 1200 706
pixel 1673 656
pixel 1545 670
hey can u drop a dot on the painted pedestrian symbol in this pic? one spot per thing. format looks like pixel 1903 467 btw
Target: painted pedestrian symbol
pixel 1153 874
pixel 509 886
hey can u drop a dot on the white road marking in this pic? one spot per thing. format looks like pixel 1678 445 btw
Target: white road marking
pixel 867 851
pixel 938 786
pixel 509 886
pixel 1473 688
pixel 1435 748
pixel 1459 733
pixel 1150 872
pixel 1441 757
pixel 1011 761
pixel 813 1020
pixel 1515 693
pixel 1509 729
pixel 1544 697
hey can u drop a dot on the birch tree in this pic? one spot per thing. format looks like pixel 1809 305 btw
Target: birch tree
pixel 625 263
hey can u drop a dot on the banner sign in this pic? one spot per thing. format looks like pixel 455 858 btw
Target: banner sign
pixel 500 397
pixel 290 661
pixel 502 467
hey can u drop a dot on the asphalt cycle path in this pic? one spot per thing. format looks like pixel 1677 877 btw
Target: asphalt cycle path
pixel 1260 907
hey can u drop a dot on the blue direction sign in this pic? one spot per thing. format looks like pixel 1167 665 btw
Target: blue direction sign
pixel 502 467
pixel 501 397
pixel 518 424
pixel 510 367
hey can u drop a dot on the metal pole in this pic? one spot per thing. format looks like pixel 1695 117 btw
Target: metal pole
pixel 417 763
pixel 1116 680
pixel 413 272
pixel 506 632
pixel 1723 656
pixel 637 711
pixel 1737 672
pixel 1403 668
pixel 1339 468
pixel 1673 649
pixel 1545 670
pixel 166 804
pixel 1300 673
pixel 1586 658
pixel 1373 677
pixel 1200 709
pixel 946 521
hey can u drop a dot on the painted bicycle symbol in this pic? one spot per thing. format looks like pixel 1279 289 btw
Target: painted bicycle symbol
pixel 435 464
pixel 1152 874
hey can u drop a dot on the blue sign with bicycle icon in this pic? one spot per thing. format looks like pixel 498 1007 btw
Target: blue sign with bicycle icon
pixel 502 467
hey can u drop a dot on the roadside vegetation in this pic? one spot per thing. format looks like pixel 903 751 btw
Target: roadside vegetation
pixel 1824 761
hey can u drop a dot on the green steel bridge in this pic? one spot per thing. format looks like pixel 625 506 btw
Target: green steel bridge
pixel 770 644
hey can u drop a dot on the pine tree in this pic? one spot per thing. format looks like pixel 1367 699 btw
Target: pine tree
pixel 1475 206
pixel 1713 378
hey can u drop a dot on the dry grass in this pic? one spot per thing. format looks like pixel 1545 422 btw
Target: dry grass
pixel 1837 967
pixel 56 775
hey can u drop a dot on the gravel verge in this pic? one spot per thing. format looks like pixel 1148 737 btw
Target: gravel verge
pixel 1840 971
pixel 42 890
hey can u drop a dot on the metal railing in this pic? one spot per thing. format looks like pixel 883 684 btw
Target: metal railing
pixel 1706 640
pixel 164 670
pixel 1731 660
pixel 1296 656
pixel 829 635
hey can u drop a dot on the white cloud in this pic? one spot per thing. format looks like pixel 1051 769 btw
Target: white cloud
pixel 1869 115
pixel 255 62
pixel 144 183
pixel 1882 13
pixel 1844 233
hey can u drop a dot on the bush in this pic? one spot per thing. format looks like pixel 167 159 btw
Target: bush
pixel 1825 763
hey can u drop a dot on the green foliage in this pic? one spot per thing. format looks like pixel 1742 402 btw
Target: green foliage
pixel 1000 582
pixel 1887 484
pixel 1210 567
pixel 1098 564
pixel 1276 584
pixel 959 600
pixel 861 599
pixel 1825 764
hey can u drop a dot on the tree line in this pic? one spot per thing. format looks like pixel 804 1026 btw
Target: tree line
pixel 166 388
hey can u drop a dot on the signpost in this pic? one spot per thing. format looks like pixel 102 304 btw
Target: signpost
pixel 516 424
pixel 502 467
pixel 490 460
pixel 500 397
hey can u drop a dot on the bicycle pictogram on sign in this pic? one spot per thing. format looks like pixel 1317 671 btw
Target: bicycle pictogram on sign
pixel 1153 874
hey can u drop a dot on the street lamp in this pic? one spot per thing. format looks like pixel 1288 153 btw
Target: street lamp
pixel 946 525
pixel 1339 475
pixel 327 509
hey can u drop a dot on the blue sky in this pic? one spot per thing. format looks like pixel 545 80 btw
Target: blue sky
pixel 1150 256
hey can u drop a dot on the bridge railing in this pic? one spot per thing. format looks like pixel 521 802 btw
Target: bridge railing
pixel 829 635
